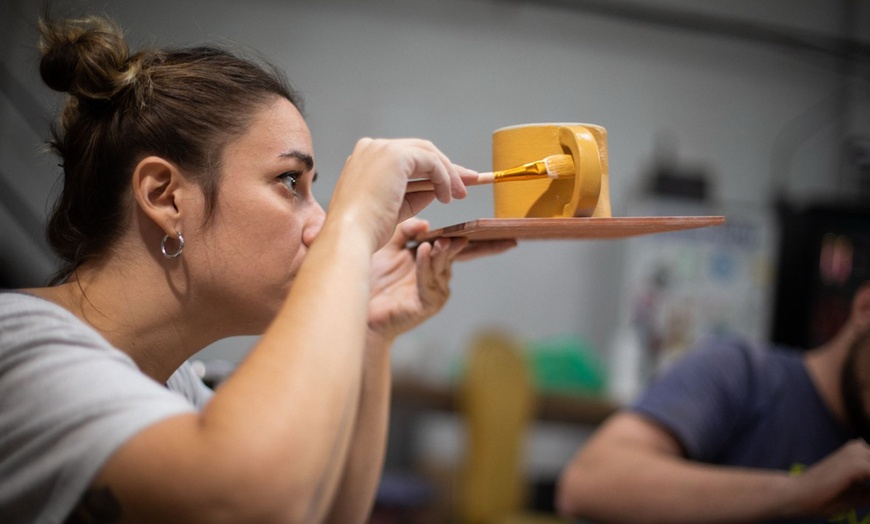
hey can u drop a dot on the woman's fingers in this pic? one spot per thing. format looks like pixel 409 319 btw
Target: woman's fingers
pixel 374 181
pixel 413 203
pixel 408 230
pixel 445 176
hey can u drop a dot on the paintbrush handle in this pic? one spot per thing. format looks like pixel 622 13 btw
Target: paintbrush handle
pixel 554 166
pixel 415 186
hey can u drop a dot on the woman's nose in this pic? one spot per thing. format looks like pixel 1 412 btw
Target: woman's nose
pixel 313 224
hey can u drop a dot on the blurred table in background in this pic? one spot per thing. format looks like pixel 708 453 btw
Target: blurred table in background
pixel 550 407
pixel 415 399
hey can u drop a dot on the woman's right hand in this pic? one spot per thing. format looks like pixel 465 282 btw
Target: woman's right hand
pixel 371 190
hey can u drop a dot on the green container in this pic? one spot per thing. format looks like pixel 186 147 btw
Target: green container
pixel 567 365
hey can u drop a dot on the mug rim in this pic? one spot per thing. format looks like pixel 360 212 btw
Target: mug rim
pixel 540 124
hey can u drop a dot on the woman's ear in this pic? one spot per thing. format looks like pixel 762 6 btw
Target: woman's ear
pixel 157 184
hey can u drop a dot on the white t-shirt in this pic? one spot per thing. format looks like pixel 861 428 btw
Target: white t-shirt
pixel 68 400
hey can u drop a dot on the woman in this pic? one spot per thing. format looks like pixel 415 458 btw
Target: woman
pixel 187 216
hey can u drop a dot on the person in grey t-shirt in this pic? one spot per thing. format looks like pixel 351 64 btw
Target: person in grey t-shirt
pixel 186 216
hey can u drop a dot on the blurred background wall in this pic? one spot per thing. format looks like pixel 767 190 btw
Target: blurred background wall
pixel 766 104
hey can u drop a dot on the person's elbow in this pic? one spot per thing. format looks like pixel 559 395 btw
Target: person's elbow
pixel 570 492
pixel 586 485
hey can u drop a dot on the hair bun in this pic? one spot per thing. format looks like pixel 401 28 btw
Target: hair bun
pixel 84 57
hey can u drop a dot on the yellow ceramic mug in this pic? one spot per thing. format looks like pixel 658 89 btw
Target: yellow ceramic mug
pixel 584 195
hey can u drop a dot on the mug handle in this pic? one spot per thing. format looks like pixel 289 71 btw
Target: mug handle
pixel 588 147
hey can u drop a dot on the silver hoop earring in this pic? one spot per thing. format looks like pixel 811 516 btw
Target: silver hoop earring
pixel 177 251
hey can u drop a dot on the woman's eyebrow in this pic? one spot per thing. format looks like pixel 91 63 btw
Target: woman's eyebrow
pixel 305 158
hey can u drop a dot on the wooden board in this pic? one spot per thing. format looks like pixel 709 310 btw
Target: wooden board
pixel 570 228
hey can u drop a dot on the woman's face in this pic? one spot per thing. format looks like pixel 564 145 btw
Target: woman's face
pixel 264 222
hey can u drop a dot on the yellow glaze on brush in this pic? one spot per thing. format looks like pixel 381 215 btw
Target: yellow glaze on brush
pixel 530 171
pixel 587 194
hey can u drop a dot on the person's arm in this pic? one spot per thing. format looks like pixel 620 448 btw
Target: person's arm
pixel 408 287
pixel 273 442
pixel 633 471
pixel 362 469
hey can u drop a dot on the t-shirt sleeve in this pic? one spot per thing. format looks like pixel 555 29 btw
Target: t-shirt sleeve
pixel 186 382
pixel 700 397
pixel 68 400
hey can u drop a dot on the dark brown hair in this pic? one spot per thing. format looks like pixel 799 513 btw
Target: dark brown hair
pixel 182 104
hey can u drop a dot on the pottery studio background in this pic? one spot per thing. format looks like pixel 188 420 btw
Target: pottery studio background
pixel 749 107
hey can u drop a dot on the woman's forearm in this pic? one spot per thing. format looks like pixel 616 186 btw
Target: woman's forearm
pixel 364 465
pixel 291 406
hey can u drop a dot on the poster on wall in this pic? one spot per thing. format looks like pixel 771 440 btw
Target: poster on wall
pixel 681 286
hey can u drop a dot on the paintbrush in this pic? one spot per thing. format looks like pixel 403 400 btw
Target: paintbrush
pixel 554 167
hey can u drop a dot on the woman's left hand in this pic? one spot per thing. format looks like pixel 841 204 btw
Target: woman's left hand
pixel 409 286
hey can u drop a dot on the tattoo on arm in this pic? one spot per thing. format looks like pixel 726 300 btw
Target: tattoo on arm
pixel 97 506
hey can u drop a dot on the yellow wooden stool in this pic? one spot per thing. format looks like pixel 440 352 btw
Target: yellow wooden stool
pixel 497 402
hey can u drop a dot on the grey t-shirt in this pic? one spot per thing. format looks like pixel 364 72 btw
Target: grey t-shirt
pixel 68 400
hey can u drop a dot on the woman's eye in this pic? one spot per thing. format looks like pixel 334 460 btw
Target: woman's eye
pixel 289 179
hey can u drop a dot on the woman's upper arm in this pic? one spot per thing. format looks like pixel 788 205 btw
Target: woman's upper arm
pixel 172 471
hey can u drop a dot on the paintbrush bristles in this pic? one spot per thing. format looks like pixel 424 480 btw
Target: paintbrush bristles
pixel 560 166
pixel 554 166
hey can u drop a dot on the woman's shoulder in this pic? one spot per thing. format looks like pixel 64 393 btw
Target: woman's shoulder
pixel 22 310
pixel 28 299
pixel 31 325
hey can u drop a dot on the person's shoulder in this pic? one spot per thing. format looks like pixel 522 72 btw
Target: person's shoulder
pixel 726 359
pixel 724 350
pixel 24 311
pixel 727 344
pixel 738 346
pixel 22 302
pixel 721 361
pixel 746 359
pixel 31 326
